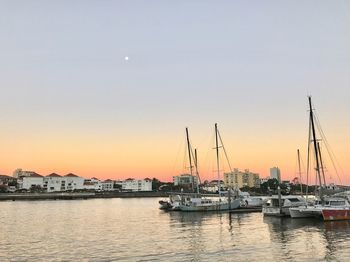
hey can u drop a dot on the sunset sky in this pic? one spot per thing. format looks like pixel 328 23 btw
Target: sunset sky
pixel 106 88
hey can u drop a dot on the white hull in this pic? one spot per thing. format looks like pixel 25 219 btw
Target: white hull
pixel 214 206
pixel 306 211
pixel 272 208
pixel 276 211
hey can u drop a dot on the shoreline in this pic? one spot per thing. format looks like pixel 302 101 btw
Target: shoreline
pixel 76 195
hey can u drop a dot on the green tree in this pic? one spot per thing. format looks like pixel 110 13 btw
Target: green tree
pixel 156 184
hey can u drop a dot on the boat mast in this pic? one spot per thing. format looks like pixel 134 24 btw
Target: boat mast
pixel 189 156
pixel 217 156
pixel 315 148
pixel 301 185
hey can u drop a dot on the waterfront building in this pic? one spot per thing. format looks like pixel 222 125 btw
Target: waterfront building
pixel 133 185
pixel 107 185
pixel 73 182
pixel 275 173
pixel 30 180
pixel 54 183
pixel 185 180
pixel 239 179
pixel 92 184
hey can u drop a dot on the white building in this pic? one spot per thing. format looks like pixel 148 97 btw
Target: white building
pixel 73 182
pixel 27 182
pixel 131 184
pixel 275 173
pixel 54 183
pixel 212 186
pixel 185 180
pixel 107 185
pixel 93 184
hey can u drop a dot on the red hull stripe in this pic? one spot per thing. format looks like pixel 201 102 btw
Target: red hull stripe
pixel 336 214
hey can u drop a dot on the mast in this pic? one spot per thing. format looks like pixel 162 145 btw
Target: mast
pixel 321 162
pixel 189 156
pixel 315 147
pixel 301 185
pixel 217 156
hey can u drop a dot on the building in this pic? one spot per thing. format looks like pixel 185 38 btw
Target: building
pixel 92 184
pixel 108 185
pixel 31 180
pixel 134 185
pixel 185 180
pixel 72 182
pixel 239 179
pixel 212 186
pixel 54 183
pixel 275 173
pixel 7 183
pixel 18 173
pixel 4 180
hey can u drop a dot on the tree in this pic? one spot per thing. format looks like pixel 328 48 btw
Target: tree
pixel 3 189
pixel 156 184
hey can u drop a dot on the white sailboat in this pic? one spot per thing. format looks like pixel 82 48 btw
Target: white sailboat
pixel 199 203
pixel 328 208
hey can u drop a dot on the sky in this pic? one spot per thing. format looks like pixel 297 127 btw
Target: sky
pixel 107 88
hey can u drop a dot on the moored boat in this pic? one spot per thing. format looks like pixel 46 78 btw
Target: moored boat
pixel 316 209
pixel 279 206
pixel 331 214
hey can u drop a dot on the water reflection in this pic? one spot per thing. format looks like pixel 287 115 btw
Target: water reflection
pixel 310 236
pixel 135 230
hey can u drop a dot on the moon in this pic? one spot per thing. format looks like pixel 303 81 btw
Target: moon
pixel 126 58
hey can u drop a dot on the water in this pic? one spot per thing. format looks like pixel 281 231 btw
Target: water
pixel 135 230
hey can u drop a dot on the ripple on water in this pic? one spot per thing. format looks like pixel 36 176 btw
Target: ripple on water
pixel 135 230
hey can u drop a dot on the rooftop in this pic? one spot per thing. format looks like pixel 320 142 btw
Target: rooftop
pixel 71 175
pixel 53 175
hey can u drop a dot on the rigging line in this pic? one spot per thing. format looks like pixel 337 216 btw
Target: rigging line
pixel 308 160
pixel 180 146
pixel 295 166
pixel 321 162
pixel 299 169
pixel 195 164
pixel 302 165
pixel 223 147
pixel 209 167
pixel 331 154
pixel 184 161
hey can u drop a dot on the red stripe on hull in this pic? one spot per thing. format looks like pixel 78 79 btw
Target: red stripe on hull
pixel 336 214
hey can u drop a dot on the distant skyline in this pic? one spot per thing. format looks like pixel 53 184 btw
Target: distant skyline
pixel 106 88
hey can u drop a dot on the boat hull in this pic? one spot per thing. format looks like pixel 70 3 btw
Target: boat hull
pixel 219 206
pixel 274 211
pixel 336 214
pixel 306 211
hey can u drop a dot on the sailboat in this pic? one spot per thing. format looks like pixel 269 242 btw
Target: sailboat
pixel 328 208
pixel 199 203
pixel 196 202
pixel 175 200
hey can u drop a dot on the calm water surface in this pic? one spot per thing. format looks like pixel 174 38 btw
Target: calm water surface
pixel 135 230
